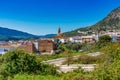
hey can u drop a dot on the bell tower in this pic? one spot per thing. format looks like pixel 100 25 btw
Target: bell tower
pixel 59 34
pixel 59 31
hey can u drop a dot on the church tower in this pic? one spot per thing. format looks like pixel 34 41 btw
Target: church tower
pixel 59 34
pixel 59 31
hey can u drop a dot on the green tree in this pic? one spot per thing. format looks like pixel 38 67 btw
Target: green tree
pixel 105 38
pixel 103 41
pixel 73 46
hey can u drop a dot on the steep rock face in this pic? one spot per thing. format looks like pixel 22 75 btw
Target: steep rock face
pixel 110 22
pixel 114 14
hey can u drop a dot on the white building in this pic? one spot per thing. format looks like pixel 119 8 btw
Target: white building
pixel 76 39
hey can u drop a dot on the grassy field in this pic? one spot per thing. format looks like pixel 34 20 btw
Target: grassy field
pixel 34 77
pixel 55 56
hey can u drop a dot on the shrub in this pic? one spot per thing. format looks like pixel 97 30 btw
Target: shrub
pixel 103 41
pixel 105 38
pixel 110 69
pixel 18 61
pixel 58 51
pixel 73 46
pixel 48 69
pixel 85 59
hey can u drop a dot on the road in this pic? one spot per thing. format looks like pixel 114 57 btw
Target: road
pixel 59 61
pixel 56 62
pixel 71 67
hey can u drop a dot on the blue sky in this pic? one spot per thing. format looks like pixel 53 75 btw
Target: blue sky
pixel 41 17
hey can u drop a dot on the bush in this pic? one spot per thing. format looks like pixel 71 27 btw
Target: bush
pixel 73 46
pixel 110 69
pixel 48 69
pixel 18 61
pixel 85 59
pixel 58 51
pixel 103 41
pixel 105 38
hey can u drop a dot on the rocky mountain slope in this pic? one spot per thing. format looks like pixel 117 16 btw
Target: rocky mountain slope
pixel 110 22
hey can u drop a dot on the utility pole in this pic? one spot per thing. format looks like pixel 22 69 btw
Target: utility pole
pixel 69 57
pixel 98 31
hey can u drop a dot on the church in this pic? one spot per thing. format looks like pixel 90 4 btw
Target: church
pixel 60 35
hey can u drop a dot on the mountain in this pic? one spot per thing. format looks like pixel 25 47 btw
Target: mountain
pixel 47 36
pixel 110 22
pixel 6 33
pixel 11 34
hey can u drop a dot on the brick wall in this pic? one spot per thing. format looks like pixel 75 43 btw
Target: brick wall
pixel 29 47
pixel 46 45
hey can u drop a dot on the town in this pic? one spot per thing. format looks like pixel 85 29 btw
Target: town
pixel 48 45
